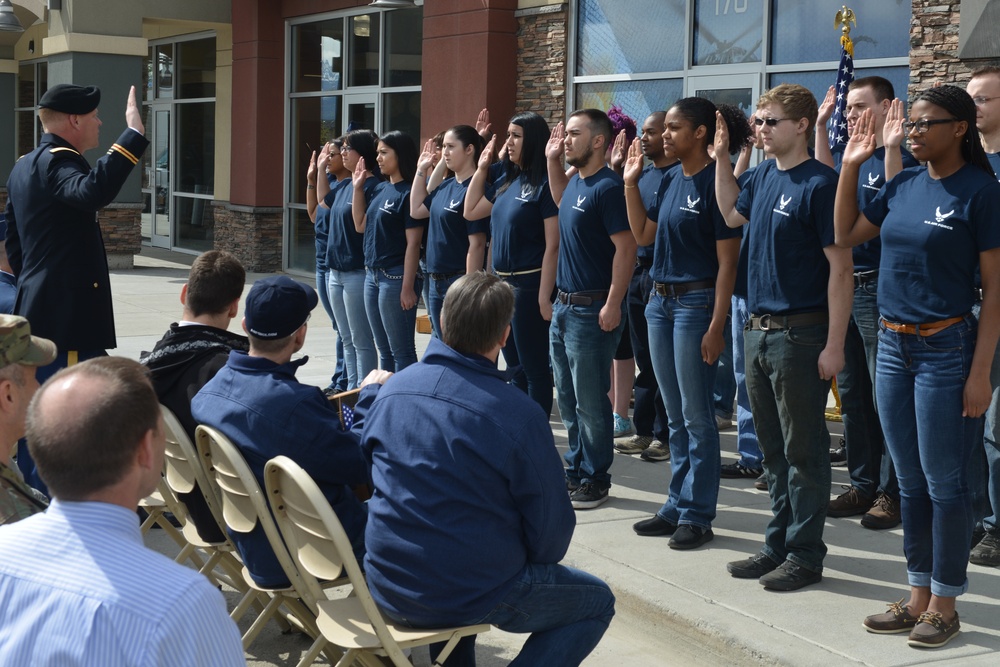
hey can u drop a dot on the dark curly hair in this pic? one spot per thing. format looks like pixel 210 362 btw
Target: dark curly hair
pixel 699 111
pixel 959 104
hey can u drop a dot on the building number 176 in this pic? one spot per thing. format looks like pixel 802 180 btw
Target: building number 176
pixel 738 6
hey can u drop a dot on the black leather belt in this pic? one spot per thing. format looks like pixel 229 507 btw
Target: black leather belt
pixel 677 289
pixel 444 276
pixel 581 298
pixel 644 262
pixel 778 322
pixel 865 277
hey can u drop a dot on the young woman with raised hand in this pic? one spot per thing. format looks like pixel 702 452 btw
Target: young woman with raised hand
pixel 344 257
pixel 455 245
pixel 525 243
pixel 391 250
pixel 694 269
pixel 933 367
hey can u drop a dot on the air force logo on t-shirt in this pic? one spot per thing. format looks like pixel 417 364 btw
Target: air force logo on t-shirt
pixel 527 190
pixel 453 204
pixel 873 179
pixel 387 205
pixel 691 203
pixel 939 218
pixel 579 203
pixel 782 205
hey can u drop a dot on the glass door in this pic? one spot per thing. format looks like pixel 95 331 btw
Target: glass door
pixel 156 188
pixel 360 112
pixel 740 90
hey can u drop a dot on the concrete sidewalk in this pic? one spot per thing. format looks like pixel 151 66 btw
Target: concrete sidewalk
pixel 687 596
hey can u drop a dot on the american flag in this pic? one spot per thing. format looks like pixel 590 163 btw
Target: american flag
pixel 347 416
pixel 837 130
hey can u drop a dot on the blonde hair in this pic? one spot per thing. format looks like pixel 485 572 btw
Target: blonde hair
pixel 51 119
pixel 796 101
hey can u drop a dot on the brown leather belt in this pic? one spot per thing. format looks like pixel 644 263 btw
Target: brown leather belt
pixel 777 322
pixel 581 298
pixel 927 329
pixel 678 289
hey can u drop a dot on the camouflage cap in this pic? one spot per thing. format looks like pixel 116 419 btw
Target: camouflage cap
pixel 18 346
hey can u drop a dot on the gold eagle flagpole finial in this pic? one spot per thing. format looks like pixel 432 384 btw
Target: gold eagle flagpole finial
pixel 845 17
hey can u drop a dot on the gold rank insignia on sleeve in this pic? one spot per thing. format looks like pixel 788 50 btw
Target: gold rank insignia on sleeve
pixel 128 155
pixel 57 149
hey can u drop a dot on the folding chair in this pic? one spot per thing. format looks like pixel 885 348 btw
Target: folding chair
pixel 183 474
pixel 321 550
pixel 243 508
pixel 157 505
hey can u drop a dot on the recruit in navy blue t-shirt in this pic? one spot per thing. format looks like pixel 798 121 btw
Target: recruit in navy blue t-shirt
pixel 448 231
pixel 388 218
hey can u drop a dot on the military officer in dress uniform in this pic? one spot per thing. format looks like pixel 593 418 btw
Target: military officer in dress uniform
pixel 53 238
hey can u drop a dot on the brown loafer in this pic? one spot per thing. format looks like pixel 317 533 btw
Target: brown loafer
pixel 897 619
pixel 932 632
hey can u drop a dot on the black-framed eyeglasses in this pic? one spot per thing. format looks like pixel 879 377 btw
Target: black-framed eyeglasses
pixel 924 124
pixel 346 149
pixel 981 100
pixel 770 122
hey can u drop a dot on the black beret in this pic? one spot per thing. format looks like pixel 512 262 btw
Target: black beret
pixel 67 98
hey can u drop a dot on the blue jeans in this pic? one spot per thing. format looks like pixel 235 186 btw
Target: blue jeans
pixel 649 415
pixel 923 379
pixel 434 292
pixel 724 392
pixel 676 328
pixel 870 468
pixel 339 381
pixel 347 299
pixel 788 399
pixel 581 364
pixel 567 611
pixel 392 327
pixel 991 443
pixel 530 345
pixel 746 439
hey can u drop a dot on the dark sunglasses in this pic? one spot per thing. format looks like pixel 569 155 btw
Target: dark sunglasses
pixel 770 122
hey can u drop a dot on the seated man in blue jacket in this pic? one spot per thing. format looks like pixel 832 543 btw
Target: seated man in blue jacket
pixel 256 401
pixel 470 516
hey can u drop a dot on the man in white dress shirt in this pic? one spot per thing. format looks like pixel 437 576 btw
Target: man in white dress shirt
pixel 77 586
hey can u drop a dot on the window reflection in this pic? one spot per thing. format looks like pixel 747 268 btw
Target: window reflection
pixel 637 98
pixel 613 41
pixel 728 31
pixel 792 19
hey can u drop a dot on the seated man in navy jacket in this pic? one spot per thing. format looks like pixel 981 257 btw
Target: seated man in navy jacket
pixel 470 516
pixel 256 401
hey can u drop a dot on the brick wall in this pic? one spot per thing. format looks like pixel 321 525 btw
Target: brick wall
pixel 934 33
pixel 122 231
pixel 541 67
pixel 253 234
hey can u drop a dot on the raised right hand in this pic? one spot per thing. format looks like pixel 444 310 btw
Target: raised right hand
pixel 633 163
pixel 826 107
pixel 721 135
pixel 360 174
pixel 486 157
pixel 555 148
pixel 133 114
pixel 893 133
pixel 426 160
pixel 861 145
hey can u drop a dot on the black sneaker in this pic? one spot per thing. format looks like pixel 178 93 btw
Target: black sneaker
pixel 589 496
pixel 987 552
pixel 572 484
pixel 790 577
pixel 654 527
pixel 754 567
pixel 838 455
pixel 739 471
pixel 690 537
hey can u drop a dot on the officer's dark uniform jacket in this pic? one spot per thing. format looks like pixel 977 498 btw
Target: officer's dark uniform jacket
pixel 54 242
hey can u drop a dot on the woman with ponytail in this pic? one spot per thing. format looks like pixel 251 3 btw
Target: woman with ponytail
pixel 455 245
pixel 933 365
pixel 694 269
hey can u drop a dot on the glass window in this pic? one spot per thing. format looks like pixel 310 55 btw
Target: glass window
pixel 615 41
pixel 25 131
pixel 364 39
pixel 404 38
pixel 318 56
pixel 147 76
pixel 196 151
pixel 315 121
pixel 301 241
pixel 26 86
pixel 195 223
pixel 819 81
pixel 196 68
pixel 637 98
pixel 804 30
pixel 728 31
pixel 401 111
pixel 165 71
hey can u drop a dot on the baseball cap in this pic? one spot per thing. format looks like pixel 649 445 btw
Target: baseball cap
pixel 18 346
pixel 277 306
